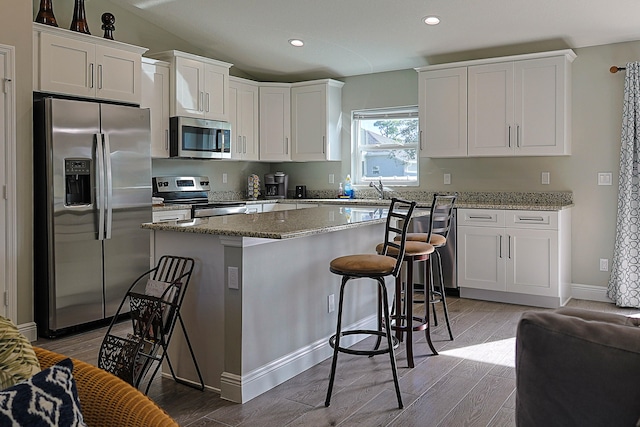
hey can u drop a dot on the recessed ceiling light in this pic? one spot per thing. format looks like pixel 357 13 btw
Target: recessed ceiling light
pixel 296 42
pixel 431 20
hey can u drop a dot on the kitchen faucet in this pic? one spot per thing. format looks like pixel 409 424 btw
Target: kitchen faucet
pixel 379 188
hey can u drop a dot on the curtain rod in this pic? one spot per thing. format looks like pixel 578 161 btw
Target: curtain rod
pixel 615 69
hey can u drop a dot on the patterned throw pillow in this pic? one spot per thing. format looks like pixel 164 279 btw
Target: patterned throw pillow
pixel 18 361
pixel 49 398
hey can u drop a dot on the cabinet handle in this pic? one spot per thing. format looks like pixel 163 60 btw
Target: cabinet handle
pixel 420 140
pixel 479 217
pixel 201 102
pixel 286 145
pixel 324 144
pixel 244 144
pixel 509 135
pixel 207 104
pixel 239 144
pixel 518 136
pixel 100 76
pixel 500 247
pixel 91 75
pixel 166 139
pixel 530 218
pixel 509 246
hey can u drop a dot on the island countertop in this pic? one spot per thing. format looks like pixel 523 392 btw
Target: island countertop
pixel 281 224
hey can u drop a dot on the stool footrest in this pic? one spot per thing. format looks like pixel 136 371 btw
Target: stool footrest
pixel 402 327
pixel 332 343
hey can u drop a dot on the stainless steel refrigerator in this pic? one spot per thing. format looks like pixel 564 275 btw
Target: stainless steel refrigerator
pixel 92 190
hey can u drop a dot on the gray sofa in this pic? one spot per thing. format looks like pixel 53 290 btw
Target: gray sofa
pixel 577 367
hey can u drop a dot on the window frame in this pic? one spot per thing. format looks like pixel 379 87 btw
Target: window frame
pixel 402 112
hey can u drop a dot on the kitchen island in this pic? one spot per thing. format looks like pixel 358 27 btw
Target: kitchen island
pixel 257 308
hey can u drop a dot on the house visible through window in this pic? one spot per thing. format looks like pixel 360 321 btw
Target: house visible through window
pixel 385 145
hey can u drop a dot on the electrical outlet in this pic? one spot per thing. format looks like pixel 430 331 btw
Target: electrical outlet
pixel 224 178
pixel 604 264
pixel 232 277
pixel 331 302
pixel 331 178
pixel 447 178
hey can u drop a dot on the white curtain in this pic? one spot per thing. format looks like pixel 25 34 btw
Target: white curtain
pixel 624 284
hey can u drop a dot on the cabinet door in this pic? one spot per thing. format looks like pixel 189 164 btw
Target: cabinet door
pixel 118 75
pixel 216 92
pixel 189 87
pixel 532 266
pixel 481 258
pixel 491 123
pixel 540 106
pixel 275 123
pixel 309 122
pixel 243 116
pixel 67 66
pixel 155 96
pixel 443 112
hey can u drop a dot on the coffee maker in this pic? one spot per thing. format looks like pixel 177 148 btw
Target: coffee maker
pixel 276 185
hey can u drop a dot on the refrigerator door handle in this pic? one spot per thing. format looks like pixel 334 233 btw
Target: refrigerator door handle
pixel 100 179
pixel 108 179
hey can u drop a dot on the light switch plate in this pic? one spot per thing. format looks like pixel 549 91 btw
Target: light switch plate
pixel 546 178
pixel 605 178
pixel 331 178
pixel 447 178
pixel 224 178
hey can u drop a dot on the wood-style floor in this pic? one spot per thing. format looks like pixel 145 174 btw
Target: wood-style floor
pixel 470 383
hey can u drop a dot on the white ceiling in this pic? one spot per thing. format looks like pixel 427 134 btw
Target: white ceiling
pixel 352 37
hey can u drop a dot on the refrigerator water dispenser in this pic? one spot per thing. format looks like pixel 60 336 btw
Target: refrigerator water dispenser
pixel 77 182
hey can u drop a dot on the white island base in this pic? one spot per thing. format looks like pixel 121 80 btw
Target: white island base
pixel 256 310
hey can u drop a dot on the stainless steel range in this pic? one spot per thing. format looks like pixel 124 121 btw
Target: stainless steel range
pixel 194 191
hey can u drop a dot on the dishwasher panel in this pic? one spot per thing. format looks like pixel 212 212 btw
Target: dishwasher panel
pixel 447 253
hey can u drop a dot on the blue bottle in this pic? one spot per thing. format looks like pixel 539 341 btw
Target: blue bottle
pixel 348 189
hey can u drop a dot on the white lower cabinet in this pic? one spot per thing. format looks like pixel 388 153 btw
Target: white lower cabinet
pixel 521 257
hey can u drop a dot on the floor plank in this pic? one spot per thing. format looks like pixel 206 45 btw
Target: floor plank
pixel 471 382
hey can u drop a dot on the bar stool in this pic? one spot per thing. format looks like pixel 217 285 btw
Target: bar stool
pixel 440 224
pixel 377 267
pixel 402 317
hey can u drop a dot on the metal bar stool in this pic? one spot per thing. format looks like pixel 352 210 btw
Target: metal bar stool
pixel 377 267
pixel 402 317
pixel 441 219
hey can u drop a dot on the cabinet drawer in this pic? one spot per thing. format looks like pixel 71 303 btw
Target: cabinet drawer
pixel 545 220
pixel 171 215
pixel 481 217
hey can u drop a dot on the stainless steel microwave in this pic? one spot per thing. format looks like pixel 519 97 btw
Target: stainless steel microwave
pixel 199 138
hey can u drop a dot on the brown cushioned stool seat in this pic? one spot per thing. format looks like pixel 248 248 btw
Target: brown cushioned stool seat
pixel 402 317
pixel 435 240
pixel 376 267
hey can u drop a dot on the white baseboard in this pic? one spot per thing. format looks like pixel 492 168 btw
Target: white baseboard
pixel 241 389
pixel 589 293
pixel 29 330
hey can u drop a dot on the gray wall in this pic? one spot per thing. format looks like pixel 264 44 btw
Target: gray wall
pixel 597 103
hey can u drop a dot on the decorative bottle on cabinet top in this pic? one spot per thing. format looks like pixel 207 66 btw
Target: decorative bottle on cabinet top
pixel 45 14
pixel 79 22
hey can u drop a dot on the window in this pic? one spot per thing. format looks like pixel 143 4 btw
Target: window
pixel 385 145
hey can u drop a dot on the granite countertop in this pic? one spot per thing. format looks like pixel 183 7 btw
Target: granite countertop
pixel 510 205
pixel 280 224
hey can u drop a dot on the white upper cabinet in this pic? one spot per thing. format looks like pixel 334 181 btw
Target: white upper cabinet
pixel 316 120
pixel 515 106
pixel 71 63
pixel 199 86
pixel 443 112
pixel 275 122
pixel 243 116
pixel 155 96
